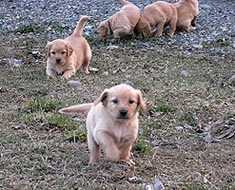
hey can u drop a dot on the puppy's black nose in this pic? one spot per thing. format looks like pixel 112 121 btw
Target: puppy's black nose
pixel 58 60
pixel 123 112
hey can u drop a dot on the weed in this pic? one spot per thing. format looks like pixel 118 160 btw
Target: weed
pixel 62 122
pixel 189 119
pixel 58 27
pixel 43 105
pixel 34 28
pixel 165 108
pixel 141 147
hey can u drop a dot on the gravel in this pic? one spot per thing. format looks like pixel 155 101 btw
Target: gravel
pixel 215 22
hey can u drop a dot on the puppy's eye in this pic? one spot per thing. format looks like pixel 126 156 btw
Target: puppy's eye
pixel 63 52
pixel 131 102
pixel 53 52
pixel 115 101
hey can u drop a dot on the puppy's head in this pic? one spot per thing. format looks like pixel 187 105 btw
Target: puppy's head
pixel 58 51
pixel 103 30
pixel 142 27
pixel 122 101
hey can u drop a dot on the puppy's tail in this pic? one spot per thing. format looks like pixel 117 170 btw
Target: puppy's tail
pixel 81 108
pixel 80 25
pixel 123 2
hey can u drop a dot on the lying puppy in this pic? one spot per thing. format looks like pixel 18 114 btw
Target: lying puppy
pixel 112 122
pixel 159 14
pixel 187 14
pixel 67 55
pixel 120 23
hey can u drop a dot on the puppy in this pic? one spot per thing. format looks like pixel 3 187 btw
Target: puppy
pixel 120 23
pixel 112 122
pixel 65 56
pixel 159 14
pixel 187 15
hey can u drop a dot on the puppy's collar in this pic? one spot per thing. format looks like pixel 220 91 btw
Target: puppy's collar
pixel 111 31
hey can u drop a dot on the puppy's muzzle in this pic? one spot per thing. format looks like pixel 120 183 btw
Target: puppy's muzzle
pixel 123 114
pixel 58 60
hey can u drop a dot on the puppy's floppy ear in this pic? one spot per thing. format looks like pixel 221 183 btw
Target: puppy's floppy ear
pixel 48 49
pixel 141 102
pixel 69 49
pixel 103 98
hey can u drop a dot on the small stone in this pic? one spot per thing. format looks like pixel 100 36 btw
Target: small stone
pixel 208 138
pixel 106 73
pixel 158 185
pixel 231 81
pixel 179 128
pixel 112 47
pixel 129 83
pixel 184 73
pixel 198 46
pixel 74 83
pixel 16 62
pixel 205 6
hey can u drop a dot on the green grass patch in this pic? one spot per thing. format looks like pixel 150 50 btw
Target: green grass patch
pixel 43 105
pixel 141 147
pixel 58 27
pixel 34 28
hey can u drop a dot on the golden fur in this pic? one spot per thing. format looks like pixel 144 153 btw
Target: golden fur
pixel 120 23
pixel 65 56
pixel 159 14
pixel 112 122
pixel 187 14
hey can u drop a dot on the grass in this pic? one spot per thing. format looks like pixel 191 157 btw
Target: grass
pixel 42 149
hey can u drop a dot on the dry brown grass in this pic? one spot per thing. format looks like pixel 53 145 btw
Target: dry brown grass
pixel 41 149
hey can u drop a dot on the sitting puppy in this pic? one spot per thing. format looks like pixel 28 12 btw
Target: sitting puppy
pixel 112 122
pixel 67 55
pixel 187 15
pixel 159 14
pixel 120 23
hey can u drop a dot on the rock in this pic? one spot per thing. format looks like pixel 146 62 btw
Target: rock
pixel 106 73
pixel 184 73
pixel 231 81
pixel 16 62
pixel 74 83
pixel 208 138
pixel 93 69
pixel 205 6
pixel 112 47
pixel 198 46
pixel 157 186
pixel 129 83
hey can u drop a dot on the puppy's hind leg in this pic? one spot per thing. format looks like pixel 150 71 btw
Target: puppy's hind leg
pixel 160 28
pixel 94 150
pixel 172 27
pixel 85 65
pixel 125 154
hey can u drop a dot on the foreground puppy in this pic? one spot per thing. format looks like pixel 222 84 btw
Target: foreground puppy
pixel 66 56
pixel 159 14
pixel 187 14
pixel 120 23
pixel 112 122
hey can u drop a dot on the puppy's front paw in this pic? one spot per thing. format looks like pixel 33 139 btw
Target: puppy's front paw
pixel 66 76
pixel 129 162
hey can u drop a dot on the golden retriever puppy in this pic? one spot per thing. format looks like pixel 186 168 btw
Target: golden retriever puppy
pixel 65 56
pixel 187 15
pixel 159 14
pixel 112 122
pixel 120 23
